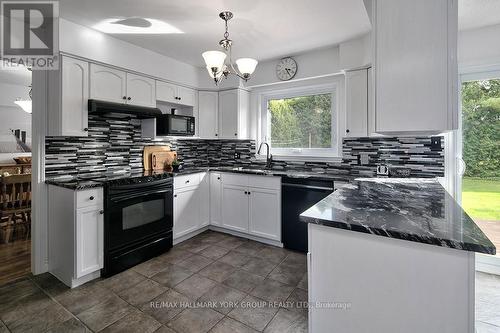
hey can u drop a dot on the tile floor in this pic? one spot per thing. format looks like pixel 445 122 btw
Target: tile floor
pixel 212 270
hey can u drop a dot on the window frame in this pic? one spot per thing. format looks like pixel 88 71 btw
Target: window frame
pixel 332 153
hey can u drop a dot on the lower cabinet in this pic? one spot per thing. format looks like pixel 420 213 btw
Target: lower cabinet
pixel 89 240
pixel 215 198
pixel 76 234
pixel 186 211
pixel 252 205
pixel 235 207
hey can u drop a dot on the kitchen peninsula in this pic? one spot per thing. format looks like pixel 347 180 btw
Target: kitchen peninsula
pixel 402 244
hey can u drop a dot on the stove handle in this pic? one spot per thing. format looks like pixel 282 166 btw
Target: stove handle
pixel 128 196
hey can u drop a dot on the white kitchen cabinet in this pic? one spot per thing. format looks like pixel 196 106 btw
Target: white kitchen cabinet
pixel 204 198
pixel 357 103
pixel 235 205
pixel 108 84
pixel 415 65
pixel 215 198
pixel 186 211
pixel 75 231
pixel 89 240
pixel 114 85
pixel 172 93
pixel 265 213
pixel 208 114
pixel 141 90
pixel 252 205
pixel 68 98
pixel 234 114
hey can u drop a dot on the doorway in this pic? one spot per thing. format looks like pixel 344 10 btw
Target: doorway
pixel 15 174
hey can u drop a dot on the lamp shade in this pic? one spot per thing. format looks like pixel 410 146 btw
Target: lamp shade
pixel 246 65
pixel 214 59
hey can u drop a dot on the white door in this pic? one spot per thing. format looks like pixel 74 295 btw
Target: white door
pixel 141 90
pixel 166 92
pixel 235 207
pixel 74 97
pixel 357 103
pixel 108 84
pixel 228 114
pixel 208 109
pixel 265 215
pixel 204 199
pixel 186 211
pixel 215 198
pixel 186 96
pixel 89 240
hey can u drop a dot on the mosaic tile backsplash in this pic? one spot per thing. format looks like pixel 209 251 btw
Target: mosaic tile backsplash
pixel 114 143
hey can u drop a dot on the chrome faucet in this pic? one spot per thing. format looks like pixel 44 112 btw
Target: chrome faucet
pixel 269 157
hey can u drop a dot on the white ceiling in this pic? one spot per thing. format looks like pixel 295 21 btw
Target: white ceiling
pixel 478 13
pixel 261 29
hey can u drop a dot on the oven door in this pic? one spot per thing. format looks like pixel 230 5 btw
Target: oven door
pixel 138 212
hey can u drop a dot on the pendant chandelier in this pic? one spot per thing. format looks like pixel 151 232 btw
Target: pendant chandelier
pixel 216 60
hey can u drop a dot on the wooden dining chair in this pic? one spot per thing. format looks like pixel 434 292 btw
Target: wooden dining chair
pixel 15 205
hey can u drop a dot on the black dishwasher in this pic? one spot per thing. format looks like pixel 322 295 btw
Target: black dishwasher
pixel 297 195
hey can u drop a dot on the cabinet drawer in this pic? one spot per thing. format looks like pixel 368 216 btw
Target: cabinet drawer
pixel 235 179
pixel 187 180
pixel 90 197
pixel 273 183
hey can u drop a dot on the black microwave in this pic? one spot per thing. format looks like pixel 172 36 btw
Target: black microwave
pixel 172 124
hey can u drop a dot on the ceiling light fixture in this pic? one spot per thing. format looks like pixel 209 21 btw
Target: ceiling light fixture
pixel 216 60
pixel 136 25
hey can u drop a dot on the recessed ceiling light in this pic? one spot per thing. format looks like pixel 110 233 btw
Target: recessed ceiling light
pixel 136 25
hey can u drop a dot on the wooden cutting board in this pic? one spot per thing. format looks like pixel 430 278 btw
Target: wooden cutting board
pixel 162 160
pixel 148 150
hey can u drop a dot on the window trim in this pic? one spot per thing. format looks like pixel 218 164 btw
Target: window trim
pixel 306 154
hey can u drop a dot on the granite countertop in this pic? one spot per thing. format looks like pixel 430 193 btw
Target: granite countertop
pixel 74 183
pixel 413 209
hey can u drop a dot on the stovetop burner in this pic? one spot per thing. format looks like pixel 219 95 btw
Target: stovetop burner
pixel 142 176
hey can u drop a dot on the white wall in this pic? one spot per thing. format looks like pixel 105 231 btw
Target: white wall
pixel 91 44
pixel 12 117
pixel 479 49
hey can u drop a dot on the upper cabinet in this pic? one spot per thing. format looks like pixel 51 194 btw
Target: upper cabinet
pixel 141 90
pixel 108 84
pixel 415 65
pixel 208 114
pixel 356 103
pixel 171 93
pixel 68 95
pixel 113 85
pixel 233 114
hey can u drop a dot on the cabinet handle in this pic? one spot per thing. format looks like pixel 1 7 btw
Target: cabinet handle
pixel 85 129
pixel 249 193
pixel 175 195
pixel 101 212
pixel 124 97
pixel 129 98
pixel 91 197
pixel 246 193
pixel 187 181
pixel 216 134
pixel 218 178
pixel 236 134
pixel 347 131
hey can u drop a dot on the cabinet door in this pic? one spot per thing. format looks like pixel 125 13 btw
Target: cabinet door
pixel 186 96
pixel 108 84
pixel 204 199
pixel 357 103
pixel 141 90
pixel 215 198
pixel 208 109
pixel 74 118
pixel 89 240
pixel 228 114
pixel 415 65
pixel 265 219
pixel 166 92
pixel 235 208
pixel 186 211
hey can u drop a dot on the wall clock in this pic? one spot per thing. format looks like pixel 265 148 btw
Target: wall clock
pixel 286 69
